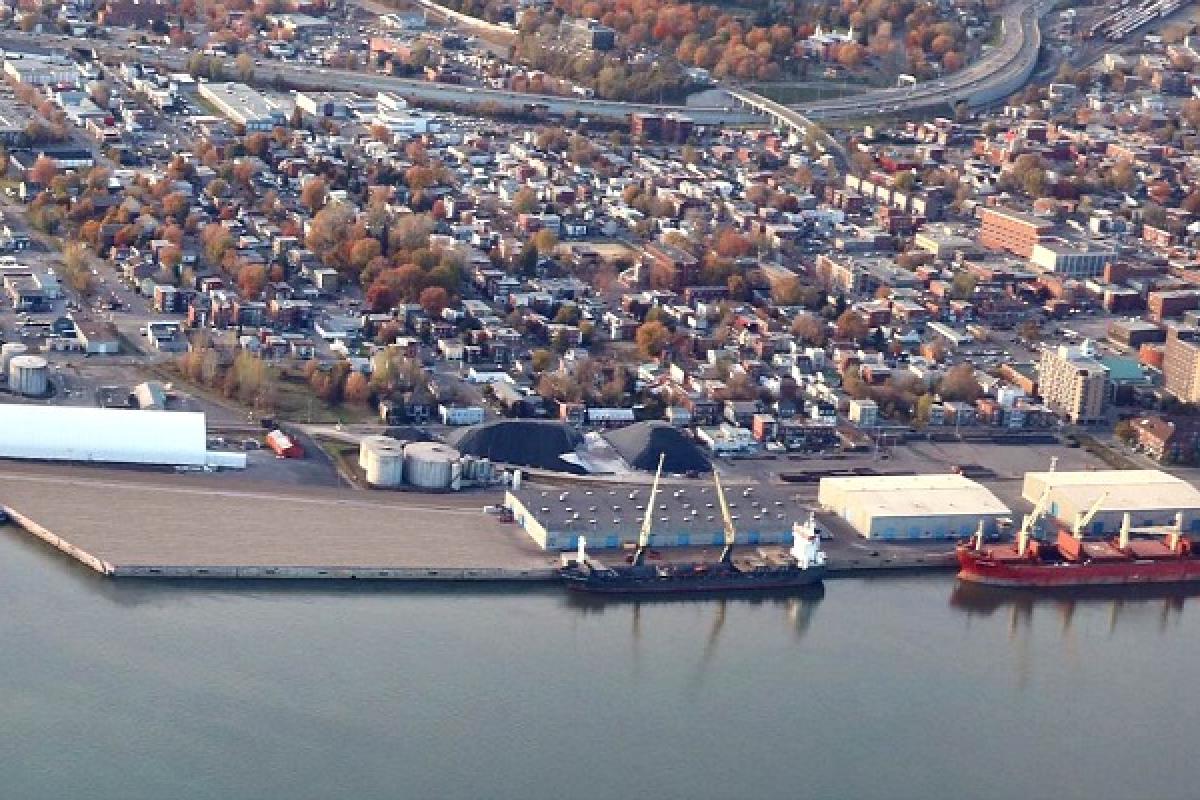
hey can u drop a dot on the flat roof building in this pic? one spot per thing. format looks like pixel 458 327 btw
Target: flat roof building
pixel 685 515
pixel 1074 383
pixel 1078 259
pixel 42 70
pixel 912 506
pixel 245 106
pixel 74 433
pixel 1014 231
pixel 1151 497
pixel 1181 364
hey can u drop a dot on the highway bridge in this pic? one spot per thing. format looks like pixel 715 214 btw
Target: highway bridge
pixel 1000 72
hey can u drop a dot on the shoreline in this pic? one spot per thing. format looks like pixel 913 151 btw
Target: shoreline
pixel 917 563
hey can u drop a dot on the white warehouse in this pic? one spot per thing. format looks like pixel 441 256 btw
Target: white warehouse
pixel 119 436
pixel 1151 497
pixel 912 506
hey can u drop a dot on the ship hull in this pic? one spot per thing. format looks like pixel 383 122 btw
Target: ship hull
pixel 1034 574
pixel 619 582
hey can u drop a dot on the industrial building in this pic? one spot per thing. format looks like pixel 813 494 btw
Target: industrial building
pixel 912 506
pixel 1153 498
pixel 686 516
pixel 245 106
pixel 119 436
pixel 388 463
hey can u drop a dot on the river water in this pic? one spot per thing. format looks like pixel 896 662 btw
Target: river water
pixel 885 688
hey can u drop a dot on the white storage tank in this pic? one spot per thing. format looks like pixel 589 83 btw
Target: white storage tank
pixel 429 465
pixel 8 352
pixel 28 375
pixel 382 459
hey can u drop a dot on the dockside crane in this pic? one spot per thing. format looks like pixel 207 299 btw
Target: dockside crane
pixel 1030 520
pixel 1085 519
pixel 730 530
pixel 639 555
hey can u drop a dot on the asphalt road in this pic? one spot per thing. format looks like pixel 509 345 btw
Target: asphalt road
pixel 1000 67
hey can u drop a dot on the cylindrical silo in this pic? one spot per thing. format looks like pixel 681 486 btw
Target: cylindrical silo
pixel 28 375
pixel 8 352
pixel 382 459
pixel 429 465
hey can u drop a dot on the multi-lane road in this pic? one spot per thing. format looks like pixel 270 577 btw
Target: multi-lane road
pixel 1001 71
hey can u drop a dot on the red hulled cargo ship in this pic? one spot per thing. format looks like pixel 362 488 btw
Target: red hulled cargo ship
pixel 1162 556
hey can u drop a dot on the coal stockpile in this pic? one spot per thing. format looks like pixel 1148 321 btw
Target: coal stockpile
pixel 528 443
pixel 641 443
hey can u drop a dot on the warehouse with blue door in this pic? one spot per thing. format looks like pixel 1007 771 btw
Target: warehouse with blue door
pixel 685 515
pixel 1152 498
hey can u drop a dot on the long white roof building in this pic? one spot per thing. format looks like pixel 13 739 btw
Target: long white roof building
pixel 71 433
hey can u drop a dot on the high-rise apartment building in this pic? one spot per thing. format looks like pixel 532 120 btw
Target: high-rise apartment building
pixel 1074 384
pixel 1181 364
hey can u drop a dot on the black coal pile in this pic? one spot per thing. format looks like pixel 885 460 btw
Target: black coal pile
pixel 528 443
pixel 641 443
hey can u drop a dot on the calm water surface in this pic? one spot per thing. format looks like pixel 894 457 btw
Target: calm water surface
pixel 877 689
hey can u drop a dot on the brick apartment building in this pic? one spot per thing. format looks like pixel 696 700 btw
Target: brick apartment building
pixel 669 267
pixel 1013 231
pixel 1170 303
pixel 672 128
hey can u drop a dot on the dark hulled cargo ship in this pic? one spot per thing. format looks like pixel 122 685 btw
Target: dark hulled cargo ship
pixel 803 565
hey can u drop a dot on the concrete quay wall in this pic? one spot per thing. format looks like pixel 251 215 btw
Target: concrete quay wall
pixel 59 543
pixel 365 573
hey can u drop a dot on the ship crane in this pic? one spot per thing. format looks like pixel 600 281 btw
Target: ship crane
pixel 1083 520
pixel 639 555
pixel 1029 521
pixel 730 530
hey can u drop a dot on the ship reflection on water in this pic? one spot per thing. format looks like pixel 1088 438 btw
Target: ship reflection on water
pixel 1167 599
pixel 798 605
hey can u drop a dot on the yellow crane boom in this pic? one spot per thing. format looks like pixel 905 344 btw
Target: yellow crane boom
pixel 730 530
pixel 639 555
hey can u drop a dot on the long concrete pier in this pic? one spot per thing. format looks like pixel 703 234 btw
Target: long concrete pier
pixel 128 524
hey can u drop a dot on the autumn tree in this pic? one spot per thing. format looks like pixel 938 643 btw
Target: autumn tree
pixel 358 389
pixel 244 67
pixel 176 205
pixel 851 325
pixel 524 201
pixel 43 171
pixel 960 384
pixel 77 268
pixel 251 279
pixel 540 360
pixel 314 194
pixel 434 299
pixel 363 251
pixel 809 329
pixel 545 241
pixel 652 338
